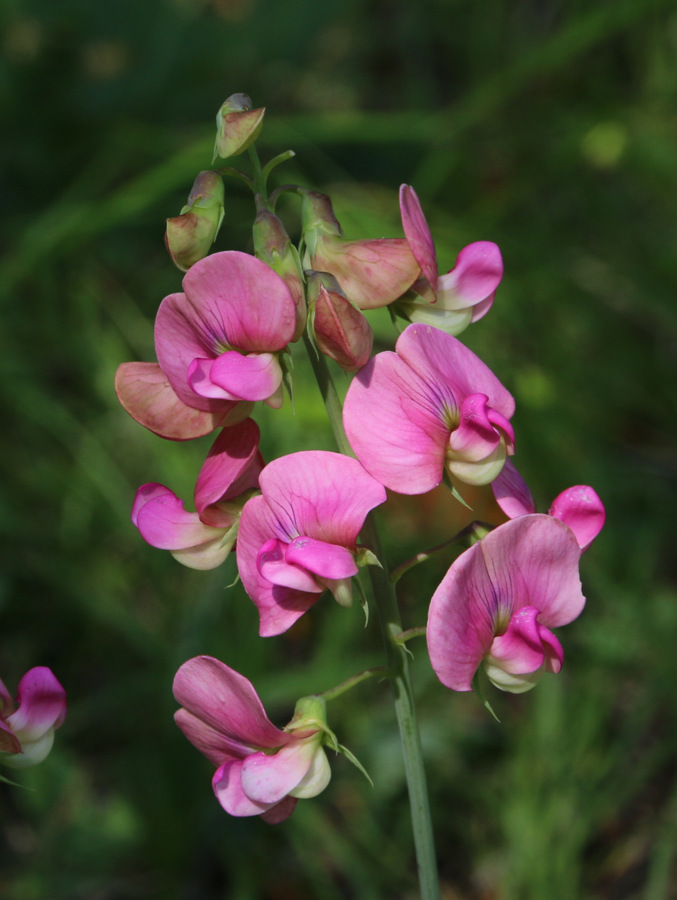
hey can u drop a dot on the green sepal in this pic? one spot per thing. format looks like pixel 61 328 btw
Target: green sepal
pixel 354 760
pixel 477 688
pixel 367 557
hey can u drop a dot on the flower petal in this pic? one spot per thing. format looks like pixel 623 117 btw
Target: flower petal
pixel 529 561
pixel 41 705
pixel 146 394
pixel 474 278
pixel 274 567
pixel 226 701
pixel 417 232
pixel 581 509
pixel 232 467
pixel 321 558
pixel 227 785
pixel 163 521
pixel 255 376
pixel 268 778
pixel 512 492
pixel 216 746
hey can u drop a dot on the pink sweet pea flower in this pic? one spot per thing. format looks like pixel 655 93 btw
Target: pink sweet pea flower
pixel 466 293
pixel 261 769
pixel 299 537
pixel 499 600
pixel 220 340
pixel 27 730
pixel 429 407
pixel 579 507
pixel 203 539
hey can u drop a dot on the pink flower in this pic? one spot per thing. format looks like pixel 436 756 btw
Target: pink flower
pixel 299 538
pixel 499 600
pixel 579 507
pixel 27 730
pixel 466 293
pixel 203 539
pixel 429 407
pixel 218 346
pixel 261 769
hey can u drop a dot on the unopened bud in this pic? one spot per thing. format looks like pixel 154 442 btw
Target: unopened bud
pixel 340 329
pixel 237 126
pixel 273 246
pixel 317 218
pixel 190 235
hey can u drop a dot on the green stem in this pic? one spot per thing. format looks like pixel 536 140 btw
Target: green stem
pixel 466 538
pixel 337 690
pixel 396 658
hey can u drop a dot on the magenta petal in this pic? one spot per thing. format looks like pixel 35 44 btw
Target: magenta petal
pixel 474 278
pixel 279 607
pixel 227 701
pixel 199 378
pixel 232 467
pixel 319 494
pixel 253 377
pixel 268 778
pixel 273 566
pixel 520 650
pixel 395 425
pixel 163 521
pixel 475 437
pixel 228 789
pixel 581 509
pixel 512 492
pixel 529 561
pixel 417 233
pixel 321 558
pixel 41 705
pixel 239 301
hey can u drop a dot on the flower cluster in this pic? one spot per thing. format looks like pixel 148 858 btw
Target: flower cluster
pixel 426 412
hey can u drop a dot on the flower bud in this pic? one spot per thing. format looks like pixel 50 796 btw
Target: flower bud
pixel 273 247
pixel 237 126
pixel 190 235
pixel 340 329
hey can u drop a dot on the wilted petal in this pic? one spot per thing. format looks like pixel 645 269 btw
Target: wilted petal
pixel 581 509
pixel 146 394
pixel 227 701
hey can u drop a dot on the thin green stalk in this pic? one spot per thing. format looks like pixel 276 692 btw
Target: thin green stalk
pixel 396 659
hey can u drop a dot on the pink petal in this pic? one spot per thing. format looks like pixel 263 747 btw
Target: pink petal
pixel 319 494
pixel 529 561
pixel 395 426
pixel 581 509
pixel 232 467
pixel 512 492
pixel 145 393
pixel 523 648
pixel 267 779
pixel 474 278
pixel 371 273
pixel 476 436
pixel 417 232
pixel 41 705
pixel 217 747
pixel 226 701
pixel 238 300
pixel 321 558
pixel 163 521
pixel 274 567
pixel 227 786
pixel 256 376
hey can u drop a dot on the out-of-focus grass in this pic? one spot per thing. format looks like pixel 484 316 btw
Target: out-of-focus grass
pixel 548 128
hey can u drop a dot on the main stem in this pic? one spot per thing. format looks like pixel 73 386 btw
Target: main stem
pixel 396 657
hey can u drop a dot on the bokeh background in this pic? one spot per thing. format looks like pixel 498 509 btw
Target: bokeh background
pixel 549 127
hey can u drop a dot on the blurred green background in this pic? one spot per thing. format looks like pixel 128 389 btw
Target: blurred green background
pixel 549 127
